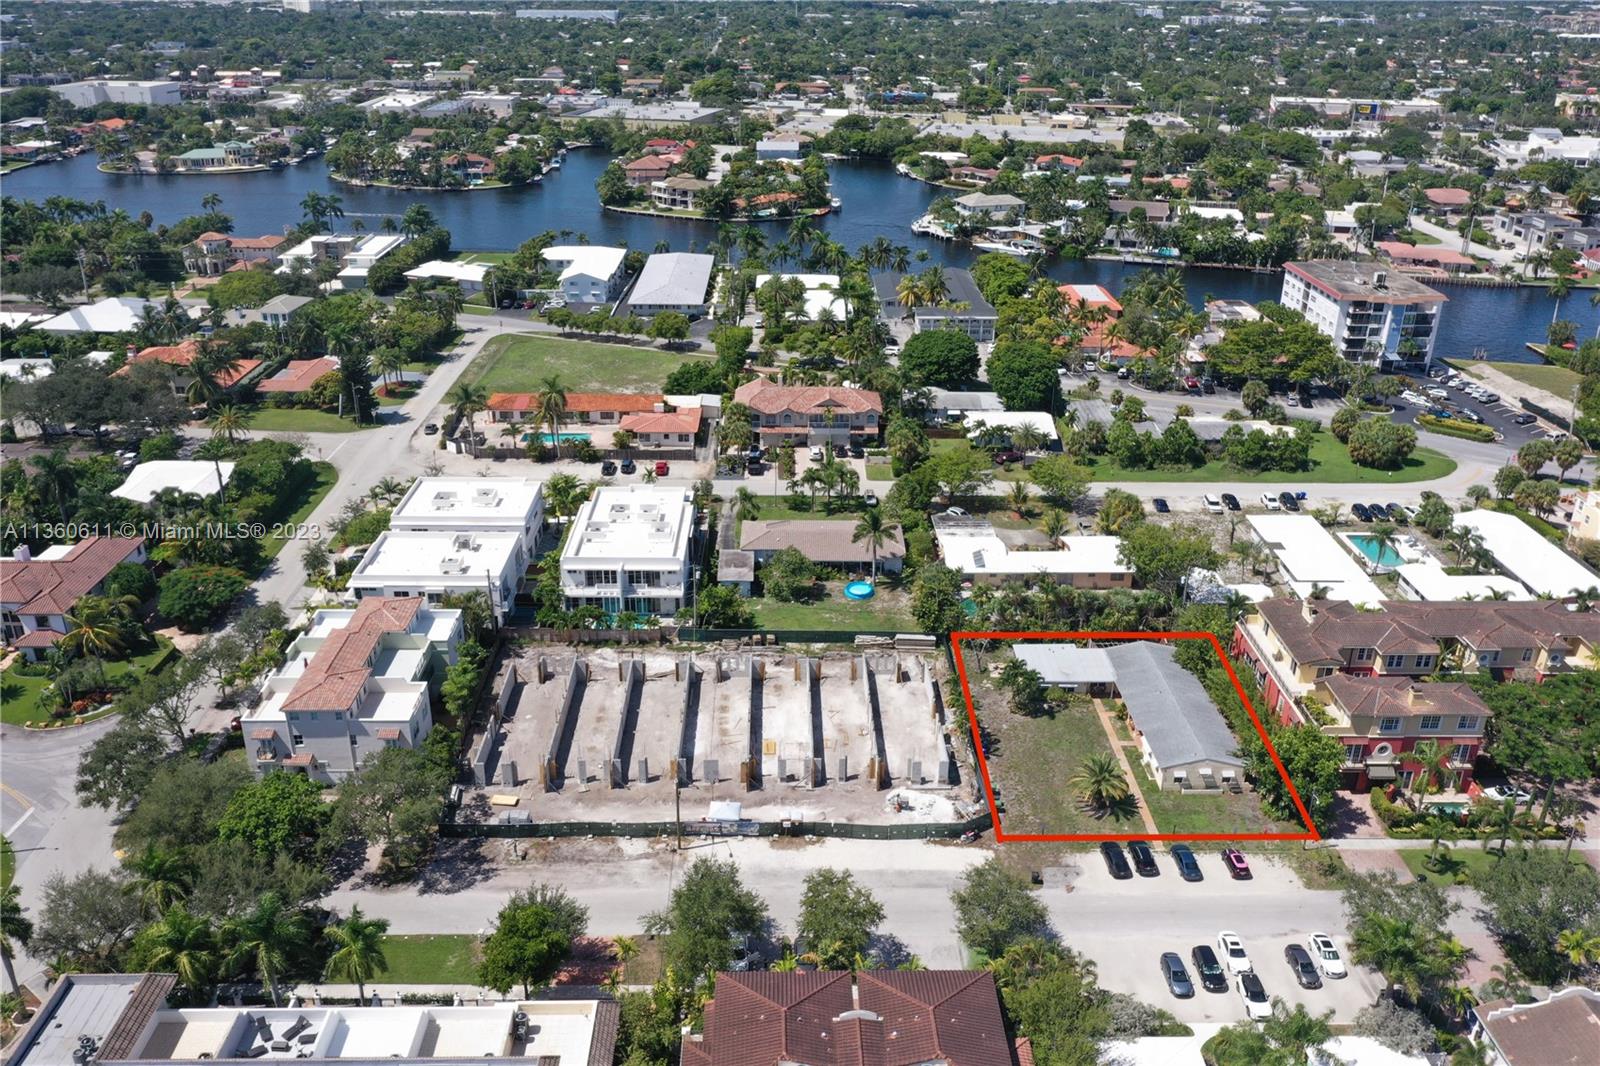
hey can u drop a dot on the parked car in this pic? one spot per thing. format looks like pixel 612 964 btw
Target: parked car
pixel 1175 975
pixel 1213 504
pixel 1471 416
pixel 1209 387
pixel 1416 399
pixel 1124 373
pixel 1397 513
pixel 1327 956
pixel 1238 868
pixel 628 466
pixel 1288 501
pixel 857 452
pixel 607 468
pixel 1270 502
pixel 1208 969
pixel 1230 501
pixel 1144 860
pixel 816 454
pixel 1304 969
pixel 1192 384
pixel 1524 420
pixel 431 428
pixel 1438 393
pixel 1380 511
pixel 1233 954
pixel 755 467
pixel 869 498
pixel 956 512
pixel 1188 865
pixel 1007 455
pixel 1360 511
pixel 1491 397
pixel 1255 999
pixel 1116 862
pixel 1090 366
pixel 661 468
pixel 1161 505
pixel 1501 793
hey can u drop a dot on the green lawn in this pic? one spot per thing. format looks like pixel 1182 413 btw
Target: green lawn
pixel 474 309
pixel 8 863
pixel 1464 864
pixel 519 362
pixel 1227 813
pixel 326 477
pixel 19 692
pixel 299 420
pixel 885 611
pixel 431 959
pixel 1556 380
pixel 1330 464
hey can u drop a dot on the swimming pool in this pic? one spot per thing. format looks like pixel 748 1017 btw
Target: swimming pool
pixel 1377 554
pixel 564 438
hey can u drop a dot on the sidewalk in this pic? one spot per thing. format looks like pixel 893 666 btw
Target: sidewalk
pixel 1127 770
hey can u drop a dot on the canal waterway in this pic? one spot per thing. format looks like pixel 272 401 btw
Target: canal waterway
pixel 877 201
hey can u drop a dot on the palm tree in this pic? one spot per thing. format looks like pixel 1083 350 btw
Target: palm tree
pixel 210 202
pixel 160 879
pixel 262 940
pixel 15 930
pixel 465 400
pixel 1028 437
pixel 908 293
pixel 1019 497
pixel 1580 946
pixel 96 628
pixel 1434 773
pixel 1297 1032
pixel 550 408
pixel 389 360
pixel 1395 948
pixel 56 480
pixel 358 950
pixel 872 528
pixel 745 505
pixel 183 944
pixel 388 491
pixel 1054 523
pixel 1099 781
pixel 231 421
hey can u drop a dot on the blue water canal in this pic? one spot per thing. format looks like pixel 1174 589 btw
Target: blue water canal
pixel 876 202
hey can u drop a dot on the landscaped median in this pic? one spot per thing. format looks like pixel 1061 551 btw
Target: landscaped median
pixel 1456 427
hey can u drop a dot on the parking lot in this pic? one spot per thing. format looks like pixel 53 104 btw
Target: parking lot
pixel 1124 926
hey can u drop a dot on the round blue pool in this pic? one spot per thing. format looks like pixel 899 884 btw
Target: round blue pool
pixel 858 590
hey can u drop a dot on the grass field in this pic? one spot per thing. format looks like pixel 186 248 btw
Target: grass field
pixel 298 420
pixel 1330 464
pixel 888 610
pixel 8 863
pixel 19 693
pixel 1227 813
pixel 431 959
pixel 1556 380
pixel 326 477
pixel 1463 864
pixel 519 362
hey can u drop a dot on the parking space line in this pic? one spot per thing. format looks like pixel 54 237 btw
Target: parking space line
pixel 18 823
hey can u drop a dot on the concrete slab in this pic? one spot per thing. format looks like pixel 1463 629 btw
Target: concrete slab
pixel 914 742
pixel 790 721
pixel 849 739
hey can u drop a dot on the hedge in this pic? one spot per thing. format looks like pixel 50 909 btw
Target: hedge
pixel 1452 427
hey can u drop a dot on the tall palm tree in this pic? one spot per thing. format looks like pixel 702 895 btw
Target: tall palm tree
pixel 184 944
pixel 231 421
pixel 210 202
pixel 56 480
pixel 465 400
pixel 15 930
pixel 261 940
pixel 872 528
pixel 95 628
pixel 358 950
pixel 388 360
pixel 745 505
pixel 550 408
pixel 908 292
pixel 160 879
pixel 1297 1032
pixel 1433 774
pixel 1099 782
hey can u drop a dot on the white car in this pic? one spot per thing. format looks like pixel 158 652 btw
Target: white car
pixel 1270 502
pixel 1501 793
pixel 1234 957
pixel 1090 366
pixel 1213 503
pixel 816 455
pixel 1438 394
pixel 1329 961
pixel 1416 399
pixel 1256 1003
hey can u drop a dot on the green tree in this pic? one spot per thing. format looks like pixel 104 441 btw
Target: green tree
pixel 193 596
pixel 263 940
pixel 159 879
pixel 721 607
pixel 872 528
pixel 1023 374
pixel 940 358
pixel 995 909
pixel 527 947
pixel 907 443
pixel 708 911
pixel 1344 420
pixel 1099 781
pixel 393 800
pixel 1063 482
pixel 1120 511
pixel 1531 899
pixel 15 932
pixel 1381 444
pixel 180 943
pixel 357 950
pixel 789 576
pixel 1053 997
pixel 1161 556
pixel 837 918
pixel 283 812
pixel 1506 480
pixel 1312 760
pixel 936 600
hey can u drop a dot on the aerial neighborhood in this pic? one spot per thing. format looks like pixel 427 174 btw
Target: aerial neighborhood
pixel 800 535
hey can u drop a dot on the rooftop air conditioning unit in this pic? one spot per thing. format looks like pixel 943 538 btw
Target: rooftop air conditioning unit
pixel 1380 279
pixel 464 542
pixel 452 564
pixel 490 497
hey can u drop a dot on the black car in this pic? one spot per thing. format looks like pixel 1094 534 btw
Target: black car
pixel 1160 505
pixel 857 451
pixel 1209 387
pixel 1524 420
pixel 608 468
pixel 1288 501
pixel 1305 971
pixel 754 467
pixel 1380 512
pixel 1116 861
pixel 1397 513
pixel 1144 860
pixel 1188 865
pixel 1176 976
pixel 1230 501
pixel 628 467
pixel 1361 511
pixel 1212 979
pixel 431 428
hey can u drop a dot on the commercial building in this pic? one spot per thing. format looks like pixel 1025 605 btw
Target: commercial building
pixel 1183 739
pixel 196 477
pixel 98 91
pixel 354 683
pixel 1309 559
pixel 673 281
pixel 121 1019
pixel 646 115
pixel 963 308
pixel 589 273
pixel 37 592
pixel 1358 109
pixel 434 563
pixel 629 550
pixel 810 414
pixel 878 1018
pixel 473 505
pixel 1523 553
pixel 977 550
pixel 581 14
pixel 1372 314
pixel 1548 145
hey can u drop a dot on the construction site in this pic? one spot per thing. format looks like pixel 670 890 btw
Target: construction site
pixel 749 735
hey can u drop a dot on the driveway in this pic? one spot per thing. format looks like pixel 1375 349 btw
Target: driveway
pixel 1124 926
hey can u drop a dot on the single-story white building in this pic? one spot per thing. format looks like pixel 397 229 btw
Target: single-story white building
pixel 1521 552
pixel 195 476
pixel 467 275
pixel 1310 558
pixel 976 550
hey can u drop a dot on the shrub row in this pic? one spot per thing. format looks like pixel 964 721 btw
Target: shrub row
pixel 1454 427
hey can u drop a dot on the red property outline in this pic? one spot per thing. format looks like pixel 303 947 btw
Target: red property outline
pixel 1001 836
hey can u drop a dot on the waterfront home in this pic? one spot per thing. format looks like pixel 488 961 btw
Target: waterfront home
pixel 1427 257
pixel 214 253
pixel 964 307
pixel 469 276
pixel 588 273
pixel 1057 161
pixel 225 156
pixel 356 254
pixel 988 205
pixel 810 414
pixel 647 169
pixel 680 192
pixel 38 592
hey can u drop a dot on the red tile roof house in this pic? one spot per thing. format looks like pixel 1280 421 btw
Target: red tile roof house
pixel 298 375
pixel 1452 201
pixel 1056 161
pixel 790 414
pixel 38 592
pixel 179 357
pixel 216 253
pixel 882 1018
pixel 583 408
pixel 646 168
pixel 1427 257
pixel 663 429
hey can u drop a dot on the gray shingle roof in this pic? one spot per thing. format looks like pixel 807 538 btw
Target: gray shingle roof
pixel 672 278
pixel 1169 707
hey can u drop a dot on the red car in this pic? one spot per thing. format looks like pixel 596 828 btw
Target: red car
pixel 1192 384
pixel 661 468
pixel 1233 859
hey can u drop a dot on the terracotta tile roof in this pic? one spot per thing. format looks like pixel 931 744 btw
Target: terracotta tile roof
pixel 185 354
pixel 1318 632
pixel 52 586
pixel 1448 197
pixel 933 1014
pixel 38 638
pixel 686 420
pixel 262 734
pixel 1400 697
pixel 298 376
pixel 580 402
pixel 769 398
pixel 340 667
pixel 304 758
pixel 819 540
pixel 647 162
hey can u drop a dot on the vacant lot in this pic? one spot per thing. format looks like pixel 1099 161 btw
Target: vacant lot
pixel 1227 813
pixel 888 610
pixel 1330 464
pixel 520 362
pixel 431 959
pixel 1556 380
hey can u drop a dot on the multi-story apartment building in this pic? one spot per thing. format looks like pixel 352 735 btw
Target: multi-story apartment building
pixel 814 414
pixel 1364 675
pixel 354 683
pixel 1372 314
pixel 630 550
pixel 474 505
pixel 588 273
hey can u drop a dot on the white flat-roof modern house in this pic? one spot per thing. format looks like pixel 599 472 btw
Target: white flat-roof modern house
pixel 355 253
pixel 974 548
pixel 589 273
pixel 469 276
pixel 672 281
pixel 195 476
pixel 430 564
pixel 354 683
pixel 1527 556
pixel 474 505
pixel 1309 558
pixel 630 550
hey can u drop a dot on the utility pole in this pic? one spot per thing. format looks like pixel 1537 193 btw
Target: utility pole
pixel 83 273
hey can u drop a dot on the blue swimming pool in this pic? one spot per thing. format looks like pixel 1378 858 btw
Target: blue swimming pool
pixel 565 438
pixel 1378 555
